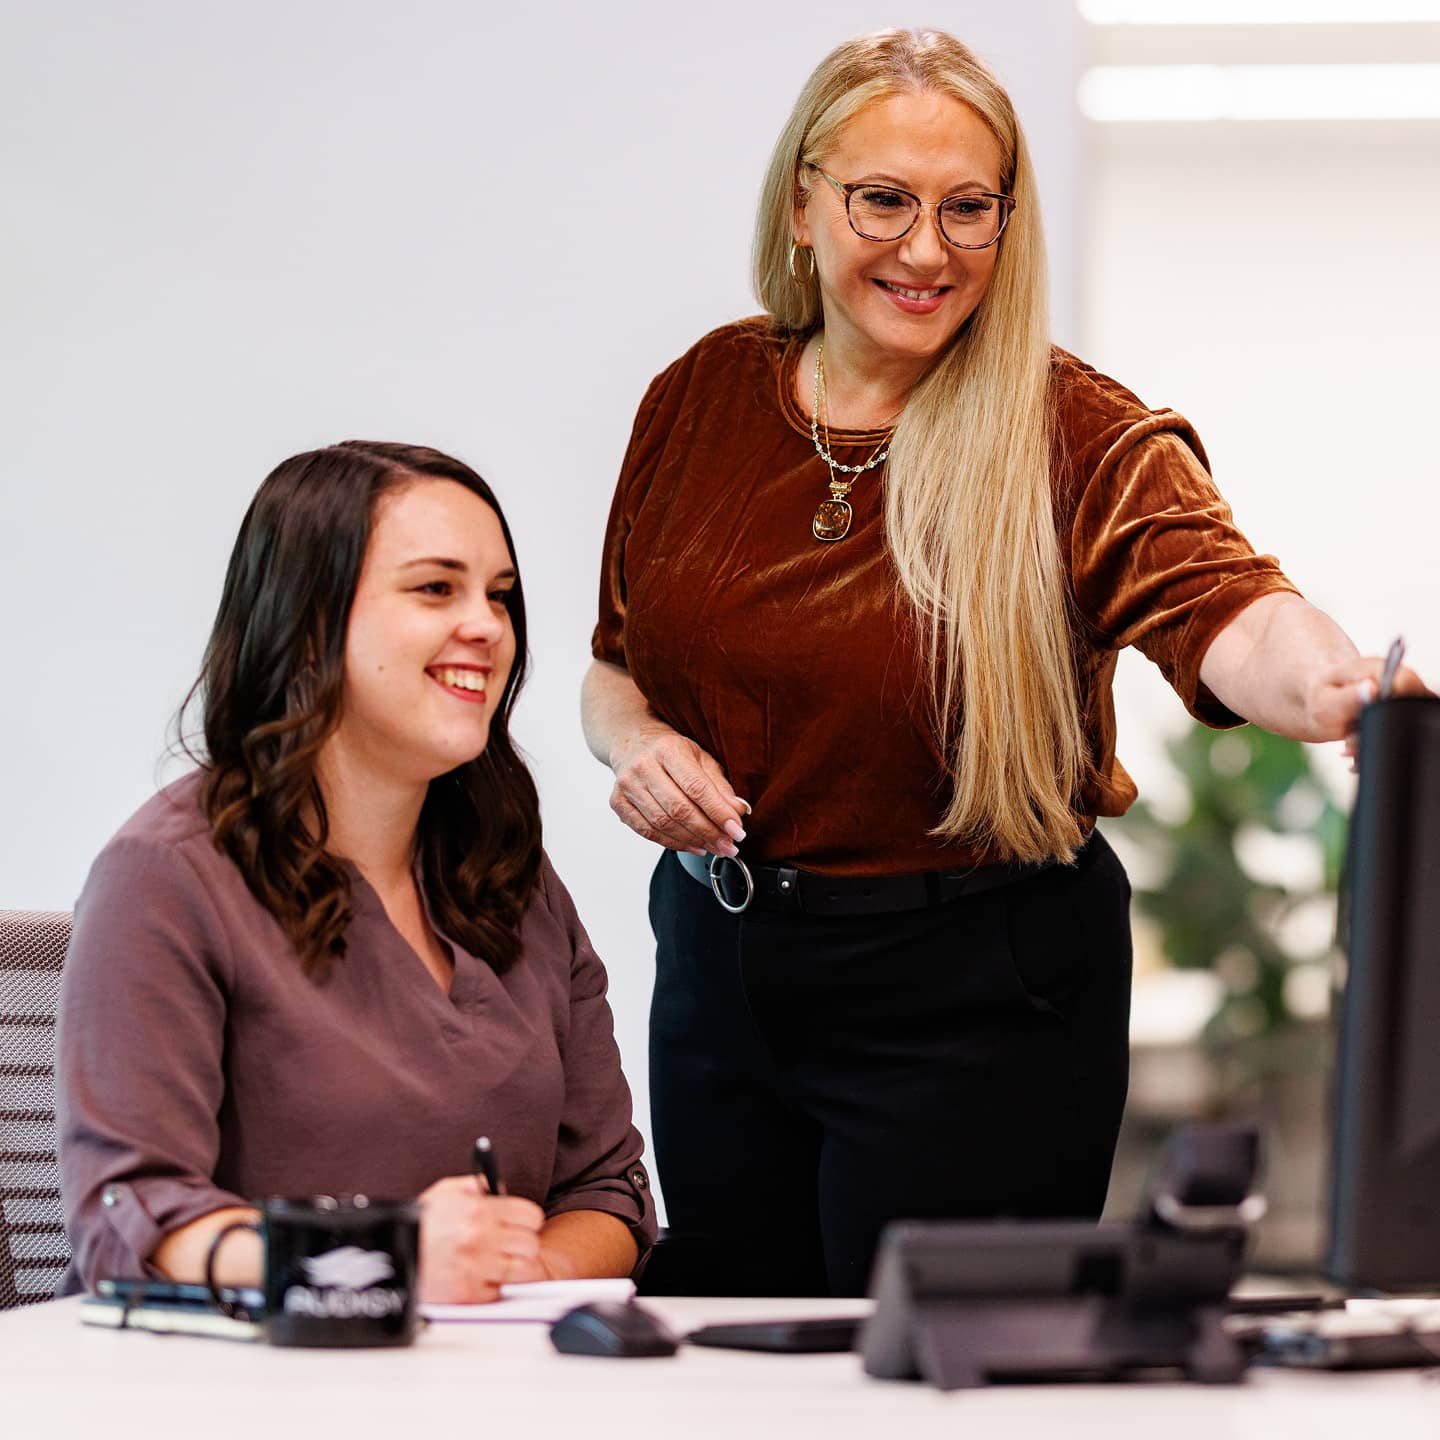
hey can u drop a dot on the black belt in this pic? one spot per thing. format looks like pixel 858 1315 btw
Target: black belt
pixel 738 886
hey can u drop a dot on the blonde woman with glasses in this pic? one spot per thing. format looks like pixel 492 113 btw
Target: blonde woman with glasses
pixel 870 563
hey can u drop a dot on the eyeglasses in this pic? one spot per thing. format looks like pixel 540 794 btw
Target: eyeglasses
pixel 969 221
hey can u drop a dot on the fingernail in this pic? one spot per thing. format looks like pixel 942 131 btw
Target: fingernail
pixel 726 849
pixel 1367 691
pixel 749 809
pixel 734 831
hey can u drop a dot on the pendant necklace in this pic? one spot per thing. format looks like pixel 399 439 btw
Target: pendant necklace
pixel 833 516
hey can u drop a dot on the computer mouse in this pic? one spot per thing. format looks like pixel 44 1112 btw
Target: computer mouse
pixel 619 1329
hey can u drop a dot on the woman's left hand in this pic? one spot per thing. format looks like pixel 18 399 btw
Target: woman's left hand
pixel 1339 695
pixel 1287 667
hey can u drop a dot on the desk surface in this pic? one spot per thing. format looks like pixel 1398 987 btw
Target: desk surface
pixel 505 1382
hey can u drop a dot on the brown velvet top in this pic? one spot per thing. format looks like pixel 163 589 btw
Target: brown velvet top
pixel 793 662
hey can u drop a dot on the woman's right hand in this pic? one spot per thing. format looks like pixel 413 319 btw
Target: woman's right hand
pixel 667 789
pixel 472 1243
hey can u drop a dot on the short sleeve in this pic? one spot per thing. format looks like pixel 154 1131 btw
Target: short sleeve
pixel 139 1058
pixel 653 423
pixel 598 1160
pixel 1157 560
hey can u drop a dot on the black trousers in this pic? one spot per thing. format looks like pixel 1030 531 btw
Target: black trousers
pixel 813 1078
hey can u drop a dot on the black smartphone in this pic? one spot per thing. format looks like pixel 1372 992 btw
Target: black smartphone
pixel 786 1337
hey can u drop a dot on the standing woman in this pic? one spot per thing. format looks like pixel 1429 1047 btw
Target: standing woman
pixel 869 565
pixel 333 955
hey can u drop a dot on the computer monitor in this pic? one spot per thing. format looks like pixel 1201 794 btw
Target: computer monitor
pixel 1385 1180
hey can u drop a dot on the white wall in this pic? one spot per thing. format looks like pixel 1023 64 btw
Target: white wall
pixel 232 233
pixel 1276 283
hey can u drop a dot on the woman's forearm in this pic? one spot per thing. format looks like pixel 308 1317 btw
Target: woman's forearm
pixel 1289 668
pixel 611 706
pixel 581 1244
pixel 181 1254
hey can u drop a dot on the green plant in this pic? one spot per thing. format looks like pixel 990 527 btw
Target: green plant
pixel 1213 910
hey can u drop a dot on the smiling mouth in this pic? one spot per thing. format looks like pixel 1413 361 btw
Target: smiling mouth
pixel 909 294
pixel 471 683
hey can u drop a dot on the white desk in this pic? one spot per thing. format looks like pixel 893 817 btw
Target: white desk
pixel 493 1382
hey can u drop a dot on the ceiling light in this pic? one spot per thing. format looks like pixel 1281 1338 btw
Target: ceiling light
pixel 1259 12
pixel 1116 93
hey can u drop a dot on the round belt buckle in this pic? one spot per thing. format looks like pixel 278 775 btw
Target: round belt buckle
pixel 718 889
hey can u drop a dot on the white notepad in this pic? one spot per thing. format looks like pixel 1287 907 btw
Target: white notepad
pixel 543 1301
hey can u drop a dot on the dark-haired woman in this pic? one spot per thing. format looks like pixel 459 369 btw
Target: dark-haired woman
pixel 335 954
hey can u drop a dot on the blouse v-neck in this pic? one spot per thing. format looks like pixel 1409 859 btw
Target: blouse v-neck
pixel 457 994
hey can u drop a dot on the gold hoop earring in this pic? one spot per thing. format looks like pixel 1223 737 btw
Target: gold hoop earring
pixel 809 275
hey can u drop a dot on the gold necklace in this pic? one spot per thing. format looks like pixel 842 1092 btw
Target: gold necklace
pixel 833 516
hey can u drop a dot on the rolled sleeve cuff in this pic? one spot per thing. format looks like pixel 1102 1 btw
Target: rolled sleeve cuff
pixel 627 1197
pixel 132 1217
pixel 607 641
pixel 1209 618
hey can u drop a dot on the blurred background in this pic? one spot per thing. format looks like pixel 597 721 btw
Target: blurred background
pixel 232 235
pixel 1262 189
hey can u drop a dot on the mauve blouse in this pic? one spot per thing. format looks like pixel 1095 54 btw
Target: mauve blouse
pixel 199 1067
pixel 794 662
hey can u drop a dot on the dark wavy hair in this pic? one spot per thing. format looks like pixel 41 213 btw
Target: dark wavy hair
pixel 271 687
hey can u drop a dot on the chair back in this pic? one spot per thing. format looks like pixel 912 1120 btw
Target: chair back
pixel 33 1249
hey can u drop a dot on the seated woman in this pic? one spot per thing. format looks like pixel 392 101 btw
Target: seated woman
pixel 335 954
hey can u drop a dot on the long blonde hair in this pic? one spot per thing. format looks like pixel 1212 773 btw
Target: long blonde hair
pixel 968 511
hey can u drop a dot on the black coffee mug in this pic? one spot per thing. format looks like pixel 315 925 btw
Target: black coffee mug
pixel 339 1271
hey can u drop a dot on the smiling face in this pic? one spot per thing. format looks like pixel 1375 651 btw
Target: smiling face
pixel 430 642
pixel 900 300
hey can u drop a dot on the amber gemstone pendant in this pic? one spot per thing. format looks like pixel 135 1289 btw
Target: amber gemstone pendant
pixel 832 520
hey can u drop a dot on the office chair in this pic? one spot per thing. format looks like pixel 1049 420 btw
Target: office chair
pixel 33 1249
